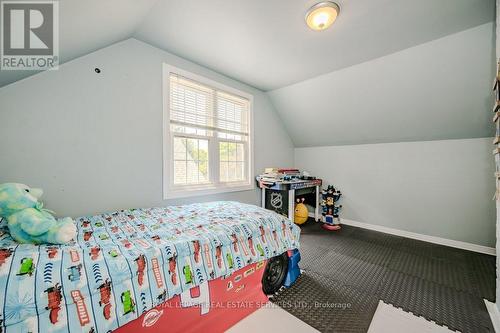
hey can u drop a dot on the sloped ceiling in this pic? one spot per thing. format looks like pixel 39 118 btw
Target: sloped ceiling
pixel 88 25
pixel 434 91
pixel 408 84
pixel 268 45
pixel 260 42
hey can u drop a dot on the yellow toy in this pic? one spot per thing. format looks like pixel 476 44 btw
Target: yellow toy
pixel 301 212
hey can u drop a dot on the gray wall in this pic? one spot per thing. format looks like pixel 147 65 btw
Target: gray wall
pixel 498 203
pixel 93 142
pixel 438 188
pixel 434 91
pixel 498 27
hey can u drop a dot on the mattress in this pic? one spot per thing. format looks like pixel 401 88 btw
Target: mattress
pixel 124 263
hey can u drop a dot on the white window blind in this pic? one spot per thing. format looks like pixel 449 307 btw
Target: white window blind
pixel 209 136
pixel 200 109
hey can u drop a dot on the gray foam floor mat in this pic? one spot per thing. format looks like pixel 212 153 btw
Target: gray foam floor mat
pixel 327 304
pixel 346 273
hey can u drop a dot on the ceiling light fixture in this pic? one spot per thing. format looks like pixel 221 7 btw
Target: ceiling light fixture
pixel 322 15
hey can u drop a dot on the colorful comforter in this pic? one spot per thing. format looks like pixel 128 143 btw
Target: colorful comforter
pixel 125 263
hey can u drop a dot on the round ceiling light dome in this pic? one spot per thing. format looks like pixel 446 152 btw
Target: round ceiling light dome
pixel 322 15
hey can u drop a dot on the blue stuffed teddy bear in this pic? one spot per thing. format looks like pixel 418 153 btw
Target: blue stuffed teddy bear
pixel 28 221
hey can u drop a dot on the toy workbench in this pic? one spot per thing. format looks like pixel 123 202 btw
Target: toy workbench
pixel 279 195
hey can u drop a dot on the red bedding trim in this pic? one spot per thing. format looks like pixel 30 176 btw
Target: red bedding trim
pixel 213 306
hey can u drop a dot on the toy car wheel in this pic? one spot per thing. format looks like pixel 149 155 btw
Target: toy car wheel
pixel 275 274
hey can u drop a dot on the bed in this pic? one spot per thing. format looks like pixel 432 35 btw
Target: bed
pixel 124 265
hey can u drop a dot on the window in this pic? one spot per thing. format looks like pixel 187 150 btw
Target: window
pixel 207 136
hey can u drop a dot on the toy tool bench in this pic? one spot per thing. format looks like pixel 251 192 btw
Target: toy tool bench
pixel 280 188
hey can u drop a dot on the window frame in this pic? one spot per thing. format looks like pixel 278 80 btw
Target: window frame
pixel 171 190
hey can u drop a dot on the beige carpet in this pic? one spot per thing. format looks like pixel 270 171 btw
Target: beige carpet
pixel 389 319
pixel 271 319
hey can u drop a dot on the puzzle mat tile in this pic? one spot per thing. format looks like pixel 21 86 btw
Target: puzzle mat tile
pixel 440 283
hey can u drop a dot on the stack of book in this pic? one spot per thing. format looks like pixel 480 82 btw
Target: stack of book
pixel 289 174
pixel 277 174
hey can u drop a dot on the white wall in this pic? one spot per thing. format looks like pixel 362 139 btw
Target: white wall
pixel 498 27
pixel 498 204
pixel 438 188
pixel 93 142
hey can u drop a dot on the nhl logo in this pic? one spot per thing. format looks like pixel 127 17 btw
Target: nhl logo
pixel 276 200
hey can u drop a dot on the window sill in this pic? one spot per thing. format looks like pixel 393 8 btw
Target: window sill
pixel 176 193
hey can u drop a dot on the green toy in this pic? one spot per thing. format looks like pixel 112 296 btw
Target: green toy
pixel 28 221
pixel 188 274
pixel 230 261
pixel 127 302
pixel 103 237
pixel 27 267
pixel 261 250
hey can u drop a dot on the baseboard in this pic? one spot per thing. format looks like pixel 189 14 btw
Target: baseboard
pixel 422 237
pixel 494 315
